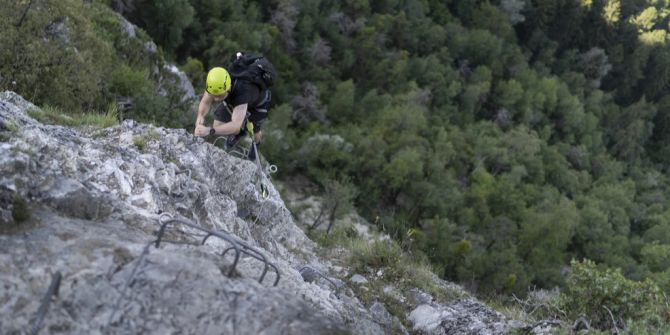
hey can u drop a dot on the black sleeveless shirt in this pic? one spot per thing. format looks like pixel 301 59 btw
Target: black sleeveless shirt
pixel 244 92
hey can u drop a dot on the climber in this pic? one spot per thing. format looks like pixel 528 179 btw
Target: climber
pixel 246 92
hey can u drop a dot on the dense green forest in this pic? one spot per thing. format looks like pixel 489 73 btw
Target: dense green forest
pixel 500 139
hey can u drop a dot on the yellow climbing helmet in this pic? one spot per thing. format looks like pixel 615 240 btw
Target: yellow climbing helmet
pixel 218 81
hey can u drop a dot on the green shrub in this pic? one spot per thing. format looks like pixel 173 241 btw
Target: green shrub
pixel 325 156
pixel 662 279
pixel 337 236
pixel 20 209
pixel 656 256
pixel 139 142
pixel 419 273
pixel 153 108
pixel 646 328
pixel 375 254
pixel 148 105
pixel 605 296
pixel 54 58
pixel 12 126
pixel 128 82
pixel 195 71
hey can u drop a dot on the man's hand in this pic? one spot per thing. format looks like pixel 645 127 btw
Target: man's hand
pixel 201 130
pixel 200 120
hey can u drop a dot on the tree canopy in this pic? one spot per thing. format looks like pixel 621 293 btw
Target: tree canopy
pixel 510 136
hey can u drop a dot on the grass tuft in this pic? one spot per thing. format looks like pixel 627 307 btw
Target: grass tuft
pixel 54 115
pixel 20 209
pixel 12 126
pixel 140 143
pixel 338 236
pixel 377 254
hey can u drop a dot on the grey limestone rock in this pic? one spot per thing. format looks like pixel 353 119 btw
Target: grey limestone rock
pixel 464 316
pixel 358 279
pixel 95 201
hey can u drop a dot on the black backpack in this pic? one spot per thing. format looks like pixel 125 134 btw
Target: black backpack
pixel 254 68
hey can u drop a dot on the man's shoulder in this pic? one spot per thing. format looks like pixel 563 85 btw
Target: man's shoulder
pixel 246 87
pixel 244 92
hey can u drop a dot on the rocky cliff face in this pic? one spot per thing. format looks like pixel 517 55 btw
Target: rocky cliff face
pixel 86 204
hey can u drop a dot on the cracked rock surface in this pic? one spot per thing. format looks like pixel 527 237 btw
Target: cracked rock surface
pixel 94 199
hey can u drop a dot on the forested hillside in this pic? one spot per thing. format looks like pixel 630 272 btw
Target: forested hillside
pixel 501 139
pixel 79 57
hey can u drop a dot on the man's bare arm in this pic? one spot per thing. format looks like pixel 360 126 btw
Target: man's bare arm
pixel 233 127
pixel 203 108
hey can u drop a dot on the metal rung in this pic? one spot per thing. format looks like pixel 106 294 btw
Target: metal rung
pixel 310 274
pixel 218 138
pixel 140 260
pixel 46 301
pixel 237 244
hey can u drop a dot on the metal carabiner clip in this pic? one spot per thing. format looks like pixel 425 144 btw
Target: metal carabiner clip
pixel 271 169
